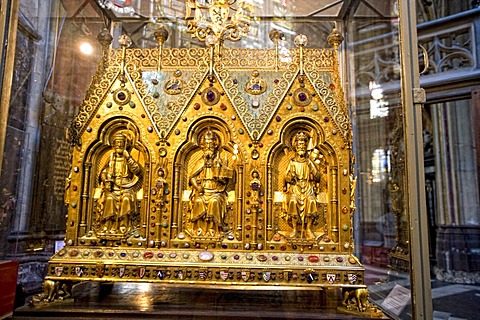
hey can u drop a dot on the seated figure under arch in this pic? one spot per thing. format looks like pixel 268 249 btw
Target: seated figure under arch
pixel 301 186
pixel 209 181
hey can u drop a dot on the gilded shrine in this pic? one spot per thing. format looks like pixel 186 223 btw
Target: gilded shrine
pixel 213 166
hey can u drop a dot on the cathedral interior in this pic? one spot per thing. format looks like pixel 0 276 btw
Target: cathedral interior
pixel 213 159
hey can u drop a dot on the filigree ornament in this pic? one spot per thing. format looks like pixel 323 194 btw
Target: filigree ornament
pixel 256 85
pixel 219 18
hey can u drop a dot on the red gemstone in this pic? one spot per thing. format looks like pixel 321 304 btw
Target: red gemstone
pixel 223 107
pixel 313 258
pixel 148 255
pixel 196 106
pixel 332 86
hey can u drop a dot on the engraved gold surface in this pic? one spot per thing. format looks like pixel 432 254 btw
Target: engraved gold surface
pixel 209 185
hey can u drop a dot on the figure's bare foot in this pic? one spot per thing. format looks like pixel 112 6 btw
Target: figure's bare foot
pixel 310 234
pixel 293 234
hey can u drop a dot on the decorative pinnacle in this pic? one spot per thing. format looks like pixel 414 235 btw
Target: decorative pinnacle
pixel 105 38
pixel 300 40
pixel 161 34
pixel 335 38
pixel 125 41
pixel 276 35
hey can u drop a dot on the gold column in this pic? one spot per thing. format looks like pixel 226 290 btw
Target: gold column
pixel 8 22
pixel 334 205
pixel 239 203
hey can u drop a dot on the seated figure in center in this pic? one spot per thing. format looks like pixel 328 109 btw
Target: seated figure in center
pixel 209 181
pixel 301 187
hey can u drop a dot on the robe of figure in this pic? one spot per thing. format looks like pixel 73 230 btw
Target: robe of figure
pixel 119 177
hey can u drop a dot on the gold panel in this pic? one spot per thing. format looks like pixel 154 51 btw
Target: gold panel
pixel 216 166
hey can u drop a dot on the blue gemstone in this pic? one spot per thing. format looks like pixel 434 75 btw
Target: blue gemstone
pixel 310 278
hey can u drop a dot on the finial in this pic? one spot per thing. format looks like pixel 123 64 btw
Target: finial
pixel 300 40
pixel 105 38
pixel 125 41
pixel 335 38
pixel 276 35
pixel 161 34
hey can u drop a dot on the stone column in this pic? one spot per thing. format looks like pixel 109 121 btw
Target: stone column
pixel 33 121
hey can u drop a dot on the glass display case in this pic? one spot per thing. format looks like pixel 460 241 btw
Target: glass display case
pixel 246 78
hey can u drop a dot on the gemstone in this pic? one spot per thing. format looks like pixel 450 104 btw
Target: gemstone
pixel 300 258
pixel 224 245
pixel 235 81
pixel 310 278
pixel 302 96
pixel 276 81
pixel 160 255
pixel 121 96
pixel 339 259
pixel 123 254
pixel 223 256
pixel 313 258
pixel 332 86
pixel 160 275
pixel 274 258
pixel 210 96
pixel 262 257
pixel 326 259
pixel 256 86
pixel 352 260
pixel 173 255
pixel 223 107
pixel 205 255
pixel 155 81
pixel 196 106
pixel 278 118
pixel 236 257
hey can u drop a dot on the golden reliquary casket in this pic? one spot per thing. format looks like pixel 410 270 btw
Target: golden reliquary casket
pixel 214 167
